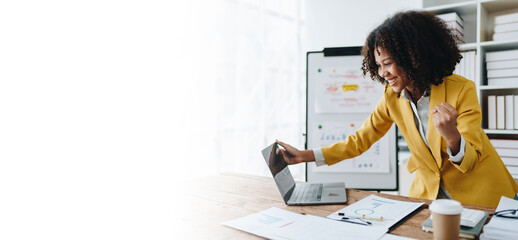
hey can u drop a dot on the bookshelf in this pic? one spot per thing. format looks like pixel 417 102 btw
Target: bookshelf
pixel 478 16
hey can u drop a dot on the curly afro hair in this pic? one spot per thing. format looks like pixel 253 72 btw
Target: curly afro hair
pixel 420 44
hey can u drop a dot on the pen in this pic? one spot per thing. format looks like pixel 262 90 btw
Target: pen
pixel 350 218
pixel 344 219
pixel 363 217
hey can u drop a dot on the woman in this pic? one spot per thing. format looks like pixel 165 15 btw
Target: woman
pixel 414 55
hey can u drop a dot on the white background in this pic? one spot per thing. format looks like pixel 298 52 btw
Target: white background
pixel 97 121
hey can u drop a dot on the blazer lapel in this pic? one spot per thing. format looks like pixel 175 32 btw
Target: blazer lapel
pixel 415 137
pixel 437 97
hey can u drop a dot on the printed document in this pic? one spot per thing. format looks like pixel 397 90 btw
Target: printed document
pixel 378 211
pixel 275 223
pixel 500 227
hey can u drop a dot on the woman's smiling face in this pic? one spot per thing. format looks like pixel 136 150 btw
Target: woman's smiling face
pixel 388 70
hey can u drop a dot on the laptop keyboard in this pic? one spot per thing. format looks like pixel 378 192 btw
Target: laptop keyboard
pixel 308 193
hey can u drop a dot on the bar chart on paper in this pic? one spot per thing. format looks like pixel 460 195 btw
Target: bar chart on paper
pixel 379 211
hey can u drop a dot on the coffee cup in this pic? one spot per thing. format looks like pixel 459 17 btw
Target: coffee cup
pixel 445 219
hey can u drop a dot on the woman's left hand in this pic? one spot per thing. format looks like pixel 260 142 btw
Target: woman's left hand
pixel 445 121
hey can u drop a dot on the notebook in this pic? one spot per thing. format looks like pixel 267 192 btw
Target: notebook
pixel 470 217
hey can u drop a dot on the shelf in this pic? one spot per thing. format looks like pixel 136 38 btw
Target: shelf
pixel 500 131
pixel 462 8
pixel 499 45
pixel 468 46
pixel 497 87
pixel 479 26
pixel 478 16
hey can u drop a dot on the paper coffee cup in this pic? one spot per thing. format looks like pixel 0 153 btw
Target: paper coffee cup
pixel 445 219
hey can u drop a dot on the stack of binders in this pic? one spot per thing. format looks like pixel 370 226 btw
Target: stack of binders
pixel 506 27
pixel 467 66
pixel 502 67
pixel 455 24
pixel 502 112
pixel 507 149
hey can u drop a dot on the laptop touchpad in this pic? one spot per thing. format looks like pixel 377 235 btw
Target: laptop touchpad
pixel 333 194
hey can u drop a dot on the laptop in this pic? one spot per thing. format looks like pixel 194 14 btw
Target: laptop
pixel 301 193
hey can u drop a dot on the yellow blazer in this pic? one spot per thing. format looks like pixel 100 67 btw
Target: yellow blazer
pixel 481 179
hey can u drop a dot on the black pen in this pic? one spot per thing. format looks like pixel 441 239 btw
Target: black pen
pixel 348 218
pixel 363 218
pixel 349 221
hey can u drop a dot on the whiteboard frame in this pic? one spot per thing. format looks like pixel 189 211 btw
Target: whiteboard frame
pixel 364 181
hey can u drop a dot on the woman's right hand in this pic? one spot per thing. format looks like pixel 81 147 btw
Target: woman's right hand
pixel 293 155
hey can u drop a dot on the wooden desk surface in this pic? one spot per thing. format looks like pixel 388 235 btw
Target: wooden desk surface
pixel 215 199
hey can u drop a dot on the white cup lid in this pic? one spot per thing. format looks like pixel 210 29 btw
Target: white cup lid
pixel 446 206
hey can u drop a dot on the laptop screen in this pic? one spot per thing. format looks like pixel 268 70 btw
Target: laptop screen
pixel 279 169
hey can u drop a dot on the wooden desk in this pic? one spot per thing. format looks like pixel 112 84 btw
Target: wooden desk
pixel 215 199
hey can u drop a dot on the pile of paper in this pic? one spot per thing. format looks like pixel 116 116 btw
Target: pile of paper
pixel 500 227
pixel 502 67
pixel 507 149
pixel 506 27
pixel 275 223
pixel 455 24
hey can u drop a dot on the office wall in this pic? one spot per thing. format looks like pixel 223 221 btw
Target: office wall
pixel 334 23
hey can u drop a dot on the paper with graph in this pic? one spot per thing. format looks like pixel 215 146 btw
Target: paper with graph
pixel 275 223
pixel 379 211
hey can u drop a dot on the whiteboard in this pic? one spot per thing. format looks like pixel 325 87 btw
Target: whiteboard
pixel 338 100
